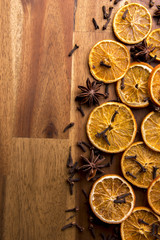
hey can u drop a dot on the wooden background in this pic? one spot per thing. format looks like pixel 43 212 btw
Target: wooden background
pixel 38 84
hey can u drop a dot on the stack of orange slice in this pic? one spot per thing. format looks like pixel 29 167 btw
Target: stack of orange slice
pixel 111 127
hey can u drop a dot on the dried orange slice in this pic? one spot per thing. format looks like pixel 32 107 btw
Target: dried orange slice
pixel 139 225
pixel 140 164
pixel 154 85
pixel 108 61
pixel 133 88
pixel 111 127
pixel 154 40
pixel 112 199
pixel 150 129
pixel 153 195
pixel 135 26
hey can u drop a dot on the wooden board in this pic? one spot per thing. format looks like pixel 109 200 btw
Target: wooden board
pixel 38 85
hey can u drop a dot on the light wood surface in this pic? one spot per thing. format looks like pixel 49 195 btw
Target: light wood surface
pixel 38 85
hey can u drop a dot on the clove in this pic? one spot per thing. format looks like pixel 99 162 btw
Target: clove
pixel 122 84
pixel 85 194
pixel 142 221
pixel 72 51
pixel 75 209
pixel 69 225
pixel 106 139
pixel 105 15
pixel 114 115
pixel 143 169
pixel 151 3
pixel 91 229
pixel 70 160
pixel 104 65
pixel 103 236
pixel 106 24
pixel 123 196
pixel 106 91
pixel 154 172
pixel 81 229
pixel 95 24
pixel 98 135
pixel 120 200
pixel 81 110
pixel 130 174
pixel 124 14
pixel 130 157
pixel 68 126
pixel 79 144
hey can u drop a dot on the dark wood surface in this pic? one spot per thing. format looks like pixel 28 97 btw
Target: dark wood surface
pixel 38 84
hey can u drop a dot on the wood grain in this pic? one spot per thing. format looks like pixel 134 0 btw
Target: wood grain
pixel 43 82
pixel 38 85
pixel 36 191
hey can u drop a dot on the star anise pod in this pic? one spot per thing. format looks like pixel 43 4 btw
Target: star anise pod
pixel 157 14
pixel 141 51
pixel 89 94
pixel 92 165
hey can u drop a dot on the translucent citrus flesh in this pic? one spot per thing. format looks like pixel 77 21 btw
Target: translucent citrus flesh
pixel 136 85
pixel 154 195
pixel 147 158
pixel 102 197
pixel 113 54
pixel 154 40
pixel 131 229
pixel 122 130
pixel 151 130
pixel 154 85
pixel 135 27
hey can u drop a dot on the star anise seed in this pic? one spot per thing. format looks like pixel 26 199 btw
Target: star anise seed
pixel 89 94
pixel 141 51
pixel 92 165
